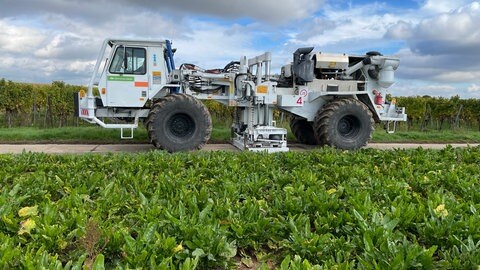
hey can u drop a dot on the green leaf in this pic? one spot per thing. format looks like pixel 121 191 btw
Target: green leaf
pixel 198 252
pixel 285 263
pixel 362 222
pixel 14 190
pixel 99 263
pixel 368 243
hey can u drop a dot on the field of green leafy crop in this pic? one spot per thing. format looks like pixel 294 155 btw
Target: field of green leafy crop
pixel 326 209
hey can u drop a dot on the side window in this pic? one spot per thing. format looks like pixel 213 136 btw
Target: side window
pixel 135 61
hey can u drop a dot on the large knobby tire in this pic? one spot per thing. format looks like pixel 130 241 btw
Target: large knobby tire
pixel 179 122
pixel 303 131
pixel 344 123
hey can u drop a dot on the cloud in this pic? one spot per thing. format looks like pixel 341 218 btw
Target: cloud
pixel 267 10
pixel 440 88
pixel 66 46
pixel 18 39
pixel 86 10
pixel 60 39
pixel 443 69
pixel 317 26
pixel 57 47
pixel 44 70
pixel 444 48
pixel 474 88
pixel 458 76
pixel 70 54
pixel 421 88
pixel 400 30
pixel 456 32
pixel 35 53
pixel 213 46
pixel 357 28
pixel 442 6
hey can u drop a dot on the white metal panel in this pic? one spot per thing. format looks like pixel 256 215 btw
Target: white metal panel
pixel 126 90
pixel 157 70
pixel 331 61
pixel 290 100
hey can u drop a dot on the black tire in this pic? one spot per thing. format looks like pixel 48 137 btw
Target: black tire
pixel 344 123
pixel 179 122
pixel 303 131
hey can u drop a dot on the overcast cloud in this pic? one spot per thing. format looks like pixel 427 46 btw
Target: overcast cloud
pixel 438 41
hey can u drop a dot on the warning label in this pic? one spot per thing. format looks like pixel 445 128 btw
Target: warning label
pixel 157 77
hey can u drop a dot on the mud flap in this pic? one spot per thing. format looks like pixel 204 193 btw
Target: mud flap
pixel 76 97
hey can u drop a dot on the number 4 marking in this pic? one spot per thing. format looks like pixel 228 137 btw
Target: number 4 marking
pixel 300 101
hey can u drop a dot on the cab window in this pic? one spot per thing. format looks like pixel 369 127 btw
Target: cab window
pixel 128 60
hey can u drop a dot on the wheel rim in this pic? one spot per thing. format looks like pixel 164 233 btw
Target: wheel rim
pixel 181 125
pixel 349 126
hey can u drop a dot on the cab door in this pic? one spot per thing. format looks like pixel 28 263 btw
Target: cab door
pixel 127 77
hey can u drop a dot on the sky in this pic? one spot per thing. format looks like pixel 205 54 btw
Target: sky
pixel 437 41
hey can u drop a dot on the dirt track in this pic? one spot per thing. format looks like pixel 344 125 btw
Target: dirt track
pixel 106 148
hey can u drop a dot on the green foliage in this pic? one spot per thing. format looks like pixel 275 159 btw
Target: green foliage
pixel 15 97
pixel 60 98
pixel 221 114
pixel 325 209
pixel 23 103
pixel 426 109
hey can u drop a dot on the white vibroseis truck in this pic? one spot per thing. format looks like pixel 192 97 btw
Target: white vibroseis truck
pixel 334 99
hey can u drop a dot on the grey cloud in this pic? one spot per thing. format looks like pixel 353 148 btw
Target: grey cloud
pixel 65 46
pixel 455 33
pixel 445 69
pixel 401 30
pixel 245 29
pixel 316 27
pixel 444 48
pixel 267 10
pixel 30 69
pixel 450 47
pixel 270 11
pixel 79 10
pixel 59 41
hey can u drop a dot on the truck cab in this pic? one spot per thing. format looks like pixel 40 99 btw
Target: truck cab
pixel 135 73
